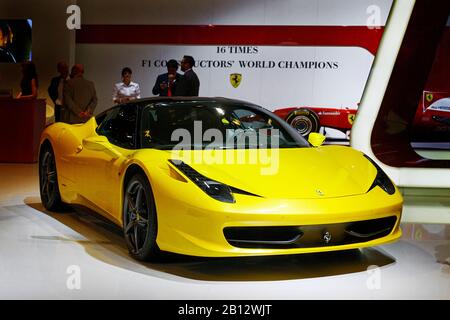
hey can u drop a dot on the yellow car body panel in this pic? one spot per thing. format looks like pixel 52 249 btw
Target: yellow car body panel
pixel 310 186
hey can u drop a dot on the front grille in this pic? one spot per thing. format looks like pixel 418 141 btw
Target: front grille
pixel 309 236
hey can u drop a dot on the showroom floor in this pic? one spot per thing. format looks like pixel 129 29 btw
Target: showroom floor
pixel 74 255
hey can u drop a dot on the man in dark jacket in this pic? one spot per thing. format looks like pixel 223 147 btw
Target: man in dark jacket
pixel 189 84
pixel 55 90
pixel 165 83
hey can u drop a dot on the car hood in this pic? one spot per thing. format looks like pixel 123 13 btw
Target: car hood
pixel 291 173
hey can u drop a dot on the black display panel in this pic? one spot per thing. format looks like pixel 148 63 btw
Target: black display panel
pixel 15 40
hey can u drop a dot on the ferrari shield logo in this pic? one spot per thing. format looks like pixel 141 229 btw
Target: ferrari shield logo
pixel 429 97
pixel 235 79
pixel 351 118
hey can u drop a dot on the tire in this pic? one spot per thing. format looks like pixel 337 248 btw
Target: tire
pixel 140 225
pixel 304 121
pixel 48 179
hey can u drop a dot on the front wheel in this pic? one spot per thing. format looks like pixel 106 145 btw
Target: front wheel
pixel 304 120
pixel 139 219
pixel 48 180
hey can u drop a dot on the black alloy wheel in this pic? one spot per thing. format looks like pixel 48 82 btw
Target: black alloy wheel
pixel 139 219
pixel 48 180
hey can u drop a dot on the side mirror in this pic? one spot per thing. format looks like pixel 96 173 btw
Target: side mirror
pixel 100 143
pixel 316 139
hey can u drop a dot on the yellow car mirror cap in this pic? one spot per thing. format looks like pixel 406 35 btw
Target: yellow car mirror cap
pixel 100 143
pixel 96 143
pixel 316 139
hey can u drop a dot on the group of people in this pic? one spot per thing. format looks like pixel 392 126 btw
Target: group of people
pixel 167 84
pixel 75 97
pixel 174 84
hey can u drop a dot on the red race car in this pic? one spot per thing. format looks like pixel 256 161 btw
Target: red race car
pixel 311 119
pixel 431 122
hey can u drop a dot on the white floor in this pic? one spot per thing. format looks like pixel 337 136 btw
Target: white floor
pixel 74 255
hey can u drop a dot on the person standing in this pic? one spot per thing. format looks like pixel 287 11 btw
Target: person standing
pixel 55 90
pixel 79 97
pixel 189 84
pixel 126 90
pixel 165 83
pixel 29 82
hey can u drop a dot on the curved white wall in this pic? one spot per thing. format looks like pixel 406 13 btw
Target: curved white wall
pixel 373 96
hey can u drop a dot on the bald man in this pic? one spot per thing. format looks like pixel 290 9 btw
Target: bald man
pixel 80 98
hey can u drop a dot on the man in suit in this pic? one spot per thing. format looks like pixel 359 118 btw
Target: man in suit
pixel 165 83
pixel 80 98
pixel 55 90
pixel 189 84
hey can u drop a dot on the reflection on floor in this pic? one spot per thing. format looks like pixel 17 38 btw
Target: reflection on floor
pixel 41 252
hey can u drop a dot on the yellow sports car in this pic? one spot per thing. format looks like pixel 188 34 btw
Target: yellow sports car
pixel 216 177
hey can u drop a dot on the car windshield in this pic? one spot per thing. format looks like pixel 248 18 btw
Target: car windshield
pixel 214 125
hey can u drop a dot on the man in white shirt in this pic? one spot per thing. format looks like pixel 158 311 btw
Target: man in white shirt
pixel 126 90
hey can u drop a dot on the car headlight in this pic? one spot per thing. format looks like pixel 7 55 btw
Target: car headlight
pixel 214 189
pixel 382 180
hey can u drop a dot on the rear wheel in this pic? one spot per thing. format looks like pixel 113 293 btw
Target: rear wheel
pixel 139 219
pixel 48 179
pixel 304 121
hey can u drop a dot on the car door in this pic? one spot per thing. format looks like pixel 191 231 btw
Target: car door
pixel 100 169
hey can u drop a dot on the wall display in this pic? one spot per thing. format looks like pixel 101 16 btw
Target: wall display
pixel 272 76
pixel 15 40
pixel 277 53
pixel 320 68
pixel 430 127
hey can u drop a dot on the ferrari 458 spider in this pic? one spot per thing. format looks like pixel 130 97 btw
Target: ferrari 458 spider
pixel 216 177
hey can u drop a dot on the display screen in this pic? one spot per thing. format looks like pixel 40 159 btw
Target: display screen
pixel 15 40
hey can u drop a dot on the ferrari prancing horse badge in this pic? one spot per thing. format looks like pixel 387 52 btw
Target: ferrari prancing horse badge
pixel 235 79
pixel 351 119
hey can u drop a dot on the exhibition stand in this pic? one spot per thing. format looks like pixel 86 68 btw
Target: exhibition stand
pixel 22 122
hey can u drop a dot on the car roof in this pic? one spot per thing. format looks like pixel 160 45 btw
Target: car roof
pixel 222 100
pixel 190 99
